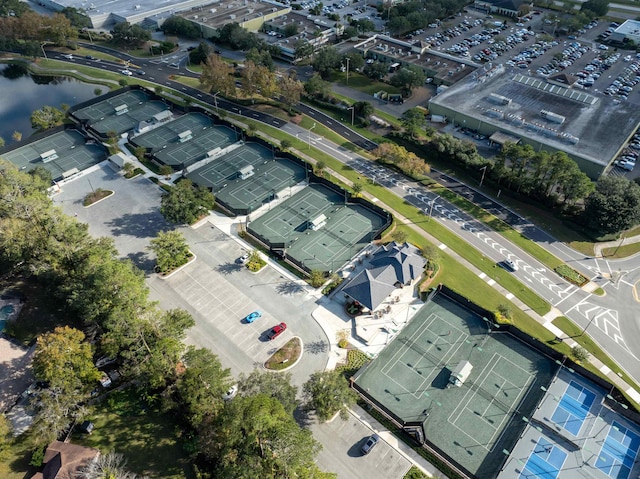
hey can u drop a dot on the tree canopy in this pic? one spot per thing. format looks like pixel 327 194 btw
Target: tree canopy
pixel 47 117
pixel 277 386
pixel 329 393
pixel 599 8
pixel 184 204
pixel 326 60
pixel 171 250
pixel 614 206
pixel 257 439
pixel 64 360
pixel 130 36
pixel 199 389
pixel 176 25
pixel 408 77
pixel 217 75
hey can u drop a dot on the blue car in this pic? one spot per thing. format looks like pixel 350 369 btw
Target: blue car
pixel 253 316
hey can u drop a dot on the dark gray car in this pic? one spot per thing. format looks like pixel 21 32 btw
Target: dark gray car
pixel 370 444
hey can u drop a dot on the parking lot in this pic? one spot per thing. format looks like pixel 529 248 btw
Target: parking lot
pixel 581 59
pixel 217 292
pixel 342 441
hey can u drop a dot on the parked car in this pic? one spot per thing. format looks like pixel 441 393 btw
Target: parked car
pixel 250 318
pixel 276 331
pixel 231 393
pixel 510 264
pixel 370 444
pixel 243 259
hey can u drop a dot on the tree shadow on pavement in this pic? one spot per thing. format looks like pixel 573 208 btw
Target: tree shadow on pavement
pixel 143 261
pixel 289 288
pixel 229 268
pixel 316 347
pixel 141 225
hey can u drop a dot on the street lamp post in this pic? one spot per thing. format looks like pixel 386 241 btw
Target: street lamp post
pixel 43 52
pixel 433 202
pixel 215 100
pixel 309 135
pixel 348 60
pixel 353 112
pixel 484 170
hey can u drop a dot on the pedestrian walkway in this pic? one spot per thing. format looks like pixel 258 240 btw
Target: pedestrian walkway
pixel 614 244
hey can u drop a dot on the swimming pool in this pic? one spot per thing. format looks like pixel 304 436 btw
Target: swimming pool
pixel 5 312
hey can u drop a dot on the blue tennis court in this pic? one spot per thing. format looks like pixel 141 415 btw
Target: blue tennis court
pixel 619 452
pixel 573 407
pixel 545 462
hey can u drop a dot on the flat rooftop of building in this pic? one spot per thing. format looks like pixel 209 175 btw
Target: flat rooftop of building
pixel 447 67
pixel 219 14
pixel 629 27
pixel 600 123
pixel 303 21
pixel 124 8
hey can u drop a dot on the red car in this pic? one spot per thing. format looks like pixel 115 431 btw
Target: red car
pixel 276 331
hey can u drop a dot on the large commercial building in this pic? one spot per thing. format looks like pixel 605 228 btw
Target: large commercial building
pixel 552 116
pixel 628 31
pixel 152 13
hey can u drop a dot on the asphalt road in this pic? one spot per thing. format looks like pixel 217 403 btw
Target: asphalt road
pixel 610 320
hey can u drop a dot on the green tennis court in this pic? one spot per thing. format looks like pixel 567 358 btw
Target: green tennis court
pixel 346 227
pixel 122 123
pixel 472 423
pixel 120 113
pixel 266 176
pixel 102 109
pixel 70 150
pixel 205 139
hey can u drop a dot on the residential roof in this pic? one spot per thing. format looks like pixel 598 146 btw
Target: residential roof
pixel 62 460
pixel 564 78
pixel 405 259
pixel 391 265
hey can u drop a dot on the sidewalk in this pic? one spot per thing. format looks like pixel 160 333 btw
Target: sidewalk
pixel 614 244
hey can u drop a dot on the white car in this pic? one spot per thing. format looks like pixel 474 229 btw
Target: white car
pixel 68 57
pixel 510 264
pixel 231 393
pixel 126 72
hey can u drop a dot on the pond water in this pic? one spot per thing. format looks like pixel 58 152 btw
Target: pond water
pixel 22 93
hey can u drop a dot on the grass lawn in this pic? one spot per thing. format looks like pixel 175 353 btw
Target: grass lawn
pixel 14 462
pixel 623 251
pixel 576 333
pixel 364 84
pixel 146 437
